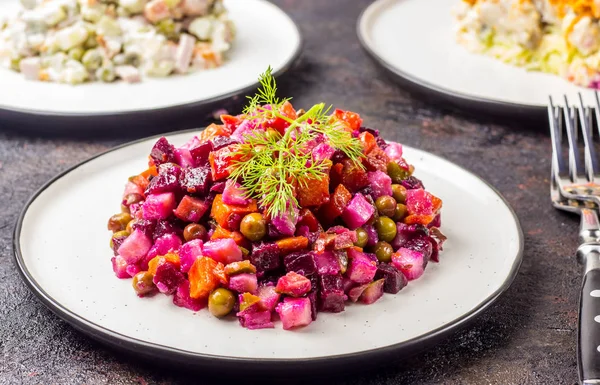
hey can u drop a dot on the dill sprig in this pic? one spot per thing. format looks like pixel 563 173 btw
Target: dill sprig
pixel 272 167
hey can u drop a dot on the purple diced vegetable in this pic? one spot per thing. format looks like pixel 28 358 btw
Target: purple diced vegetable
pixel 251 319
pixel 223 250
pixel 380 184
pixel 200 153
pixel 361 268
pixel 293 284
pixel 167 278
pixel 358 212
pixel 302 262
pixel 268 297
pixel 159 206
pixel 196 180
pixel 220 141
pixel 233 194
pixel 394 280
pixel 244 283
pixel 265 256
pixel 119 265
pixel 189 252
pixel 394 151
pixel 164 245
pixel 294 312
pixel 409 262
pixel 162 152
pixel 166 181
pixel 182 297
pixel 331 293
pixel 135 247
pixel 327 263
pixel 183 157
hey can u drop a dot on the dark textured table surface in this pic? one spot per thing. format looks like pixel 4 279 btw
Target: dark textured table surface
pixel 527 337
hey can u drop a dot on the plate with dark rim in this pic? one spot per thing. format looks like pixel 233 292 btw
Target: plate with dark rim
pixel 68 268
pixel 94 106
pixel 413 41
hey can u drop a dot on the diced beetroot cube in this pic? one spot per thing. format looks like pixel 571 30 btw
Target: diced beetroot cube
pixel 347 284
pixel 358 212
pixel 423 245
pixel 355 293
pixel 373 292
pixel 327 263
pixel 132 269
pixel 183 157
pixel 167 278
pixel 412 183
pixel 220 141
pixel 361 268
pixel 182 297
pixel 218 187
pixel 286 223
pixel 196 180
pixel 162 152
pixel 394 280
pixel 331 294
pixel 146 226
pixel 164 245
pixel 293 284
pixel 135 209
pixel 189 252
pixel 313 297
pixel 268 297
pixel 294 312
pixel 380 183
pixel 372 234
pixel 223 250
pixel 200 153
pixel 135 247
pixel 376 159
pixel 265 256
pixel 233 194
pixel 167 180
pixel 419 202
pixel 394 151
pixel 252 319
pixel 190 209
pixel 409 262
pixel 301 262
pixel 307 218
pixel 164 227
pixel 132 188
pixel 159 206
pixel 244 283
pixel 245 128
pixel 119 265
pixel 322 151
pixel 344 239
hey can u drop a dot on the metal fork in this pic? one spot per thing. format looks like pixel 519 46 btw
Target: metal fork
pixel 575 187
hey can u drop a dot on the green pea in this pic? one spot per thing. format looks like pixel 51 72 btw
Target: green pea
pixel 143 283
pixel 273 135
pixel 76 53
pixel 106 73
pixel 401 211
pixel 386 205
pixel 133 59
pixel 254 227
pixel 221 302
pixel 399 193
pixel 397 173
pixel 15 64
pixel 362 237
pixel 194 231
pixel 386 229
pixel 92 59
pixel 118 222
pixel 117 235
pixel 383 251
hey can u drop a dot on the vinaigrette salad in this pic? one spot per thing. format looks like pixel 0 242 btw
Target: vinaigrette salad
pixel 77 41
pixel 276 213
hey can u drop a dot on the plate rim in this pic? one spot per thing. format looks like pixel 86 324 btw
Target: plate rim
pixel 31 112
pixel 181 356
pixel 459 99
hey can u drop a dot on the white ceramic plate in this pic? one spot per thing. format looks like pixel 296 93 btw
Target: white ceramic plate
pixel 265 36
pixel 61 248
pixel 414 40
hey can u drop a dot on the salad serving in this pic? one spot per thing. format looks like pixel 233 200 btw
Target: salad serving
pixel 276 212
pixel 76 41
pixel 561 37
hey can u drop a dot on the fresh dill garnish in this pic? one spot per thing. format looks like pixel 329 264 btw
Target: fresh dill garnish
pixel 272 167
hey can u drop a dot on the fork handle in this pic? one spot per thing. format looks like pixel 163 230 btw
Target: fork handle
pixel 588 352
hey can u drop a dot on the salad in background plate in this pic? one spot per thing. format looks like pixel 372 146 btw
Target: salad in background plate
pixel 77 41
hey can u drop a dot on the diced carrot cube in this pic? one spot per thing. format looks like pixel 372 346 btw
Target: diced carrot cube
pixel 222 233
pixel 419 219
pixel 289 245
pixel 221 211
pixel 151 171
pixel 140 180
pixel 212 131
pixel 314 192
pixel 160 259
pixel 368 141
pixel 202 277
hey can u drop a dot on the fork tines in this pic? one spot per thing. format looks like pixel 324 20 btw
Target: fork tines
pixel 579 123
